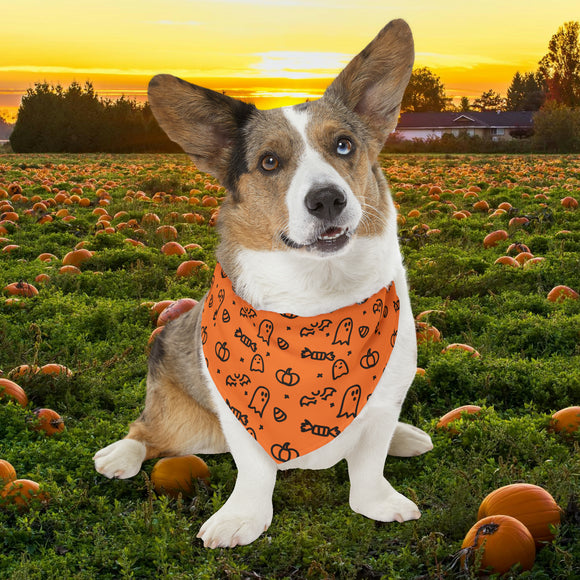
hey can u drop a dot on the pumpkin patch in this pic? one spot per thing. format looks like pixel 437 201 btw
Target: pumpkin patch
pixel 95 319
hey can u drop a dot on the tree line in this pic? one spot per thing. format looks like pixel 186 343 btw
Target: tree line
pixel 76 120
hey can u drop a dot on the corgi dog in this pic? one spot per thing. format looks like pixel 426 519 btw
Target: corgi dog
pixel 308 252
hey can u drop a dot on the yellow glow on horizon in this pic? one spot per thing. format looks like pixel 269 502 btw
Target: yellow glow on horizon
pixel 274 52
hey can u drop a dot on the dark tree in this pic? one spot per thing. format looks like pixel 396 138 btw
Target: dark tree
pixel 76 120
pixel 526 92
pixel 464 105
pixel 489 101
pixel 560 67
pixel 425 92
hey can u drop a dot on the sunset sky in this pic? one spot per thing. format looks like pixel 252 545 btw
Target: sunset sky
pixel 273 52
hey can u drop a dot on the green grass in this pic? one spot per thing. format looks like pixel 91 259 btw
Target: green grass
pixel 97 325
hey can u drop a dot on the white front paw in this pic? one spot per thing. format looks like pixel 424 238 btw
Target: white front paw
pixel 231 526
pixel 121 459
pixel 386 506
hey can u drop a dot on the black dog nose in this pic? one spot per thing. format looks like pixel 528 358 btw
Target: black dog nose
pixel 325 202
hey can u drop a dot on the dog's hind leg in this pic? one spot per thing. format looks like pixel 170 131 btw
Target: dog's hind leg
pixel 173 423
pixel 409 441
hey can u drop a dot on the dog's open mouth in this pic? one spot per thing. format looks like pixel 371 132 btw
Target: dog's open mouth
pixel 329 241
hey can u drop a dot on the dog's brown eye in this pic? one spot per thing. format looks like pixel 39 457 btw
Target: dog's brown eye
pixel 269 163
pixel 344 146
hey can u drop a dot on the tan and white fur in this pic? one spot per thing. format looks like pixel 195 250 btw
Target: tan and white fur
pixel 308 227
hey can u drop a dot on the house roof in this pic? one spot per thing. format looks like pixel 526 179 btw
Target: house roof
pixel 449 119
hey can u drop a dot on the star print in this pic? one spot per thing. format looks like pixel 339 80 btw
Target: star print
pixel 261 428
pixel 319 376
pixel 242 360
pixel 286 396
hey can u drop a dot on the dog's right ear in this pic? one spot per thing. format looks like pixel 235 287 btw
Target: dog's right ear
pixel 204 123
pixel 373 83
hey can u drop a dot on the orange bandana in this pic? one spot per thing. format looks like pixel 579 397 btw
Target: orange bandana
pixel 294 382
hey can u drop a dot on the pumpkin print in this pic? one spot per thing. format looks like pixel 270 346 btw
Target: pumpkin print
pixel 222 351
pixel 287 377
pixel 370 359
pixel 284 452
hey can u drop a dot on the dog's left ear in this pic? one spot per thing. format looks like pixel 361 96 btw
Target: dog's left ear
pixel 373 83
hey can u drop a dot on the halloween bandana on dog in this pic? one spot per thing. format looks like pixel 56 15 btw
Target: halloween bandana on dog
pixel 294 382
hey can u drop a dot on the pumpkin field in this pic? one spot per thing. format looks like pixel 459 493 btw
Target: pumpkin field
pixel 93 247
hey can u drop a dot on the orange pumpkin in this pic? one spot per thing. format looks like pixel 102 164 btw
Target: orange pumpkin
pixel 175 475
pixel 561 292
pixel 47 257
pixel 566 420
pixel 456 414
pixel 159 307
pixel 55 369
pixel 48 421
pixel 77 257
pixel 21 492
pixel 523 257
pixel 503 542
pixel 190 267
pixel 481 205
pixel 426 332
pixel 209 201
pixel 494 238
pixel 463 347
pixel 7 472
pixel 569 202
pixel 10 389
pixel 530 504
pixel 23 370
pixel 507 261
pixel 21 289
pixel 166 232
pixel 173 248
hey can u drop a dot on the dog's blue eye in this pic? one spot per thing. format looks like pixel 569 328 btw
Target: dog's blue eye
pixel 344 146
pixel 269 163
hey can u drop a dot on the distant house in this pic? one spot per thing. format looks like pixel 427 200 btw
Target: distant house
pixel 493 125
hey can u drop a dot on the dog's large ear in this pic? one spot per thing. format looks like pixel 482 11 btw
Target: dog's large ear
pixel 206 124
pixel 373 83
